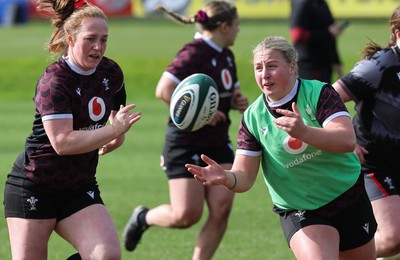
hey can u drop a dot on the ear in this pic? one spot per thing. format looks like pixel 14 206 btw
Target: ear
pixel 70 40
pixel 397 34
pixel 293 67
pixel 223 27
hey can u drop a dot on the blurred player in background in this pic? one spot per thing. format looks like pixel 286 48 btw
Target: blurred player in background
pixel 314 32
pixel 301 133
pixel 374 85
pixel 52 184
pixel 208 53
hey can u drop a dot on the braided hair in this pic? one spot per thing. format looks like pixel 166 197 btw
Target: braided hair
pixel 67 17
pixel 210 17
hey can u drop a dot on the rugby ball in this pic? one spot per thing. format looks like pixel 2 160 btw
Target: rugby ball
pixel 194 102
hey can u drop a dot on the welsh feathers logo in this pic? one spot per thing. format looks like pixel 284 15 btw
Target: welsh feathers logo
pixel 293 145
pixel 97 108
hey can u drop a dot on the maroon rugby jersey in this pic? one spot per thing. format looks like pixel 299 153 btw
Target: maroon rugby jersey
pixel 203 56
pixel 88 99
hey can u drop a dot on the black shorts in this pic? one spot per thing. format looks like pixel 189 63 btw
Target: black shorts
pixel 379 185
pixel 174 158
pixel 354 220
pixel 29 203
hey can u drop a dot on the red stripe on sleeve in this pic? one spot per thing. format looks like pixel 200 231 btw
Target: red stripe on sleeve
pixel 299 34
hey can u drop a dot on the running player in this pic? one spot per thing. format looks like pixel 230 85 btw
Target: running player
pixel 52 184
pixel 218 23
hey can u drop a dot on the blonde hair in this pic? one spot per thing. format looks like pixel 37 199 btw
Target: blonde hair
pixel 278 43
pixel 210 17
pixel 68 16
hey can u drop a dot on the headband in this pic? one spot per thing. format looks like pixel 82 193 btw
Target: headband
pixel 79 4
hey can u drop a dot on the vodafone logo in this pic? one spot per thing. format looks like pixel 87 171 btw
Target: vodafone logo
pixel 226 79
pixel 97 108
pixel 293 145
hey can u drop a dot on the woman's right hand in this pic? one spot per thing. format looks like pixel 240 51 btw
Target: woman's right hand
pixel 124 119
pixel 213 174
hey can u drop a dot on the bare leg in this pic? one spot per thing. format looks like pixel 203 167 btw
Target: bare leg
pixel 317 242
pixel 92 232
pixel 387 214
pixel 29 237
pixel 366 252
pixel 219 201
pixel 185 209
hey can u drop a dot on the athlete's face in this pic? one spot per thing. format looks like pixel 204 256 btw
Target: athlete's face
pixel 273 74
pixel 88 47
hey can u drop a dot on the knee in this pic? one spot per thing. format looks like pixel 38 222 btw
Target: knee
pixel 187 218
pixel 389 244
pixel 221 213
pixel 103 252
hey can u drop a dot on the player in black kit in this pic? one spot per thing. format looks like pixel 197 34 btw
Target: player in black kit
pixel 374 85
pixel 52 184
pixel 208 53
pixel 314 31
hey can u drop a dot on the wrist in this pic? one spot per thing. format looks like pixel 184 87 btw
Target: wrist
pixel 114 131
pixel 234 181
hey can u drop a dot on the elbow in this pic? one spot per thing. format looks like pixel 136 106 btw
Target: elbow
pixel 60 150
pixel 161 96
pixel 346 149
pixel 241 189
pixel 158 94
pixel 347 146
pixel 350 146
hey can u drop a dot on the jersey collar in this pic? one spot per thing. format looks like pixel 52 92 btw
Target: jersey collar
pixel 208 41
pixel 76 69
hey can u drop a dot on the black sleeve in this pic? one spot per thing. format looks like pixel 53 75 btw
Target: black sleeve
pixel 329 103
pixel 120 98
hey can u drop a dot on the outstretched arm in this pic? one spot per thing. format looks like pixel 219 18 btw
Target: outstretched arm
pixel 239 179
pixel 67 141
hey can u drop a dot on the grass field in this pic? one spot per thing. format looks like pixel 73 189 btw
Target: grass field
pixel 131 175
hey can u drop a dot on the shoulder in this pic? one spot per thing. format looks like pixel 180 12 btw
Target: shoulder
pixel 110 62
pixel 302 4
pixel 229 53
pixel 55 74
pixel 372 68
pixel 110 67
pixel 311 86
pixel 254 109
pixel 256 104
pixel 196 45
pixel 57 66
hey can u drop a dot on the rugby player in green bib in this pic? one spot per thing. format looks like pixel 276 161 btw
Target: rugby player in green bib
pixel 301 133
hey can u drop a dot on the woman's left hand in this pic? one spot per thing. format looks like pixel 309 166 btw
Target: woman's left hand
pixel 291 122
